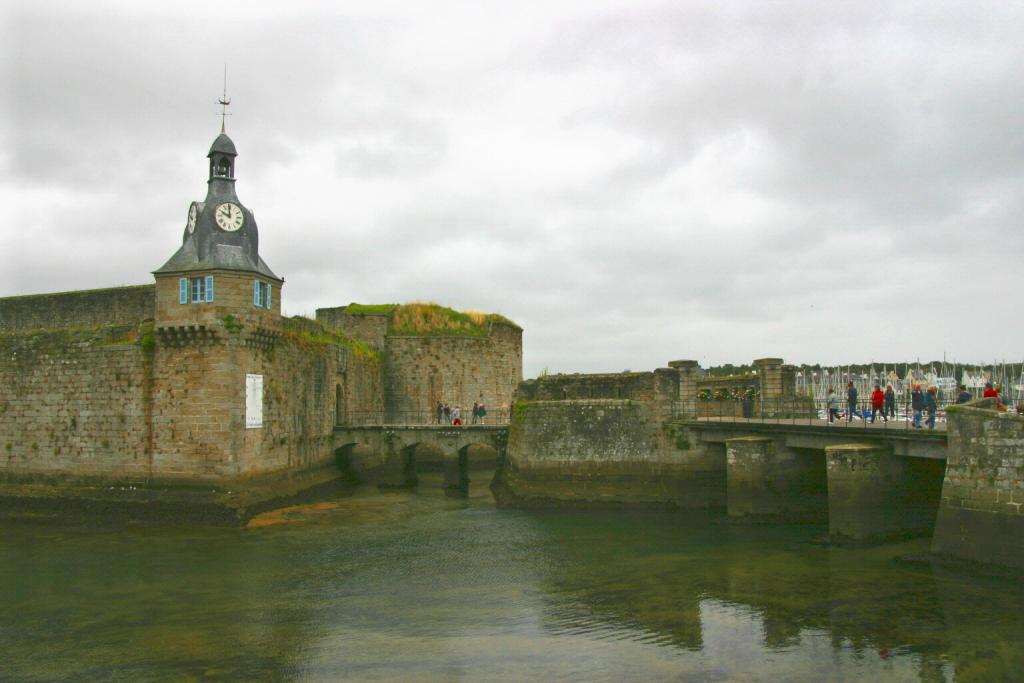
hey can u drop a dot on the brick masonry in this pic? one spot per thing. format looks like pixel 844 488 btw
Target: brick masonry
pixel 456 370
pixel 87 308
pixel 981 515
pixel 73 403
pixel 605 452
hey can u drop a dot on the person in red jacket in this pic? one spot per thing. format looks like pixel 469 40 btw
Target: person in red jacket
pixel 990 392
pixel 878 403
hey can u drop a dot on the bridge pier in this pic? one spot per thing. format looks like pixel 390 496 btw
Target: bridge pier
pixel 399 470
pixel 874 495
pixel 768 481
pixel 456 471
pixel 981 516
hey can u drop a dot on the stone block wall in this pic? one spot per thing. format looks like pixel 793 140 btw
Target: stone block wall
pixel 605 452
pixel 199 404
pixel 73 404
pixel 981 514
pixel 121 404
pixel 420 371
pixel 87 308
pixel 637 386
pixel 768 481
pixel 232 296
pixel 371 328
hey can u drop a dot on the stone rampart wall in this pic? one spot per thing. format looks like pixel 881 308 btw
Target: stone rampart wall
pixel 302 381
pixel 420 371
pixel 87 308
pixel 981 515
pixel 118 404
pixel 605 452
pixel 73 404
pixel 637 386
pixel 370 328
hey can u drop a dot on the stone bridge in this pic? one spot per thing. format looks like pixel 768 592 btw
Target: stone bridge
pixel 871 481
pixel 387 454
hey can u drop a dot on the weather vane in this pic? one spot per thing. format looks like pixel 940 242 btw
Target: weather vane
pixel 224 101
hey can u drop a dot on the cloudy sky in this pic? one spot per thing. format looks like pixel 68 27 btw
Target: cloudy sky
pixel 633 182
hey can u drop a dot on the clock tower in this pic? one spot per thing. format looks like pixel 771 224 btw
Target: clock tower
pixel 219 252
pixel 217 321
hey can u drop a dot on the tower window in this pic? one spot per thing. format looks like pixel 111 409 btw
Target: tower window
pixel 261 294
pixel 195 290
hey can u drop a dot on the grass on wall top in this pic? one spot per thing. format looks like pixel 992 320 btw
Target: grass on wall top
pixel 304 329
pixel 432 320
pixel 427 319
pixel 370 309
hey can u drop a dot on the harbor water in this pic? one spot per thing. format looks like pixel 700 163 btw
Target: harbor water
pixel 417 586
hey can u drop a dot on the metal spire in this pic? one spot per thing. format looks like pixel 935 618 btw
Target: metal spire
pixel 224 101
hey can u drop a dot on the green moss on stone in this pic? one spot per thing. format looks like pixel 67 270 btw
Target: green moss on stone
pixel 304 330
pixel 370 309
pixel 232 324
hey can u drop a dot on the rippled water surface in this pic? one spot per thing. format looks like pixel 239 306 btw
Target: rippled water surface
pixel 415 586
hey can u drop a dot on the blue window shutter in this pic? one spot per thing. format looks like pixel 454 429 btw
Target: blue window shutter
pixel 268 295
pixel 183 290
pixel 256 292
pixel 209 288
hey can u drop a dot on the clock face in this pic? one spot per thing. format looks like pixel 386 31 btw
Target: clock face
pixel 229 216
pixel 193 214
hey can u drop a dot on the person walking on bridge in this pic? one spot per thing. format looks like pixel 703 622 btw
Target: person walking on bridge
pixel 917 404
pixel 931 405
pixel 878 403
pixel 851 401
pixel 833 406
pixel 890 402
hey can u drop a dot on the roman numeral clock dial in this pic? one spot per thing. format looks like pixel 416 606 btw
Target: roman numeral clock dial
pixel 229 216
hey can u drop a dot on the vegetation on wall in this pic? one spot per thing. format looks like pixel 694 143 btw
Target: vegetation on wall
pixel 370 309
pixel 729 393
pixel 428 319
pixel 303 329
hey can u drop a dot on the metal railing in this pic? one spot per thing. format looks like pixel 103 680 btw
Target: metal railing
pixel 366 418
pixel 808 411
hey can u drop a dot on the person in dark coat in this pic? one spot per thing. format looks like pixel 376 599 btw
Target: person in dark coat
pixel 917 404
pixel 931 405
pixel 890 402
pixel 851 401
pixel 964 396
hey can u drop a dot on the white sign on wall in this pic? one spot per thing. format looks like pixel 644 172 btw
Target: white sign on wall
pixel 253 401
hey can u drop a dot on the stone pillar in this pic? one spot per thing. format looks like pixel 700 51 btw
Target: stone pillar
pixel 686 396
pixel 778 387
pixel 865 485
pixel 768 481
pixel 981 514
pixel 399 469
pixel 456 471
pixel 769 372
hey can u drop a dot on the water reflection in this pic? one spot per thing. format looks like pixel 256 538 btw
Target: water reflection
pixel 417 586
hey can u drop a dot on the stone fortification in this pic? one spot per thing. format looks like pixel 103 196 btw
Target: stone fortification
pixel 608 440
pixel 460 362
pixel 421 371
pixel 74 403
pixel 308 383
pixel 123 415
pixel 981 515
pixel 87 308
pixel 370 328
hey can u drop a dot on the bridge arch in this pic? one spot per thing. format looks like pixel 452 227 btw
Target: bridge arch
pixel 392 455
